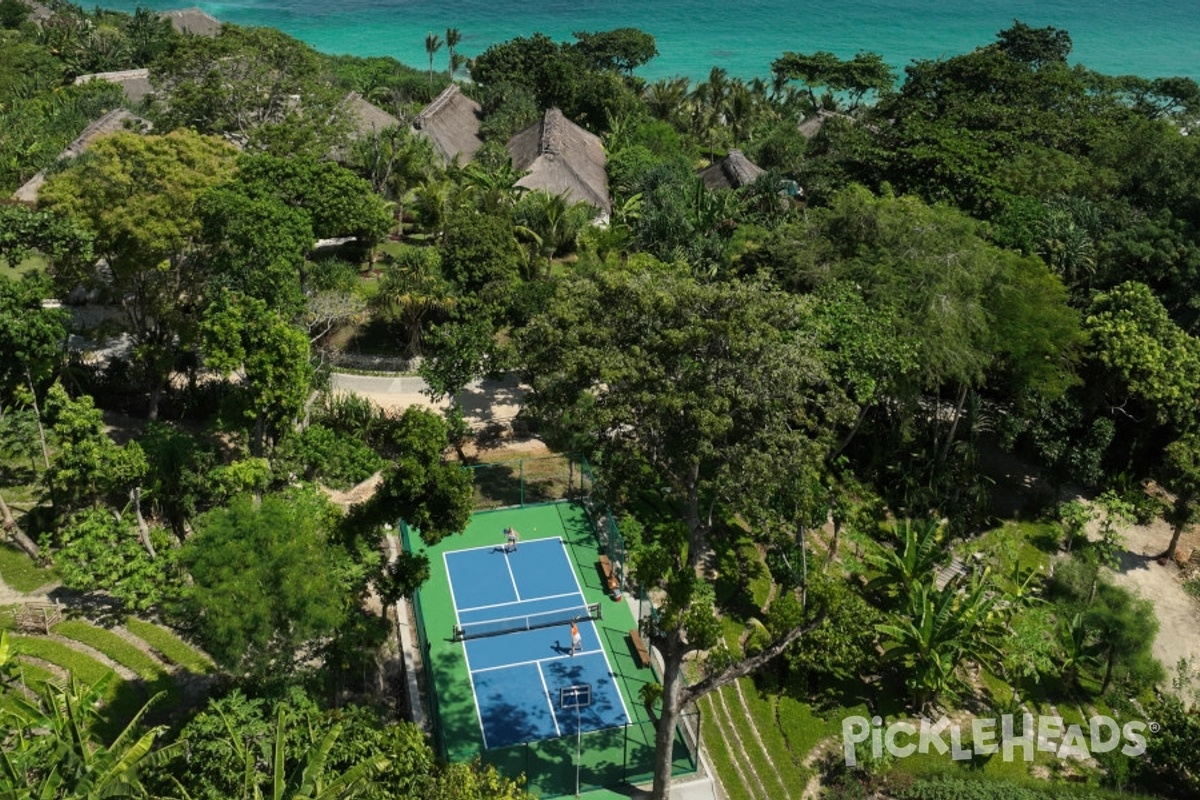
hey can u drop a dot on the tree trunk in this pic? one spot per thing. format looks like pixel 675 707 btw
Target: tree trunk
pixel 677 696
pixel 1108 669
pixel 37 413
pixel 958 407
pixel 135 495
pixel 14 532
pixel 259 438
pixel 1176 532
pixel 665 724
pixel 156 396
pixel 845 442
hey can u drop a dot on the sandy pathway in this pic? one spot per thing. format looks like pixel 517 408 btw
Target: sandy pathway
pixel 1177 611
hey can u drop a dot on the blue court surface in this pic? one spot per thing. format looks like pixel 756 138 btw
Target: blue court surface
pixel 517 676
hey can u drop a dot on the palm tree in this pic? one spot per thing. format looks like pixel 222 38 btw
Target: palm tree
pixel 411 293
pixel 555 221
pixel 667 99
pixel 453 37
pixel 433 43
pixel 495 187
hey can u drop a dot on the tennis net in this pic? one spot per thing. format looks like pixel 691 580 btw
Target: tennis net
pixel 529 622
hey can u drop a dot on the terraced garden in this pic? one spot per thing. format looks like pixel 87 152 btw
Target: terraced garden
pixel 139 659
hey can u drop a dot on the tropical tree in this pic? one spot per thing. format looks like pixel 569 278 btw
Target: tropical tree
pixel 138 195
pixel 290 586
pixel 52 748
pixel 433 43
pixel 706 394
pixel 855 77
pixel 902 569
pixel 243 83
pixel 413 292
pixel 87 467
pixel 1182 464
pixel 241 336
pixel 935 631
pixel 453 37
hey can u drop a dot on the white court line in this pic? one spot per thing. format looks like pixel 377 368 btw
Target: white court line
pixel 596 630
pixel 546 689
pixel 512 577
pixel 515 602
pixel 457 622
pixel 537 661
pixel 500 546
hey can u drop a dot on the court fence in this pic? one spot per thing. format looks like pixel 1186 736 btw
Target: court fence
pixel 526 481
pixel 611 757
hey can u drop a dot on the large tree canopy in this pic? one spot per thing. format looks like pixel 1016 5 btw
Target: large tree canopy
pixel 713 395
pixel 138 196
pixel 265 580
pixel 258 85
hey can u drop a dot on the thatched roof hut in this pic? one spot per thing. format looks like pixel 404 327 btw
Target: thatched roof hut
pixel 451 124
pixel 38 12
pixel 732 172
pixel 812 126
pixel 115 121
pixel 193 22
pixel 367 118
pixel 134 82
pixel 562 158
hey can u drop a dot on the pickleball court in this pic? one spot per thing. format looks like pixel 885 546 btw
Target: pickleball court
pixel 514 610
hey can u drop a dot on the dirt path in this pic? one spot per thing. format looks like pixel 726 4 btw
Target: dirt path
pixel 1177 611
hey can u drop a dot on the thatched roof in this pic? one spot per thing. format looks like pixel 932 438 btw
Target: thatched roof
pixel 193 22
pixel 451 124
pixel 367 118
pixel 562 158
pixel 813 125
pixel 732 172
pixel 115 121
pixel 134 82
pixel 38 12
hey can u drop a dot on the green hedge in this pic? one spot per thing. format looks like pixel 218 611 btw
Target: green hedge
pixel 169 646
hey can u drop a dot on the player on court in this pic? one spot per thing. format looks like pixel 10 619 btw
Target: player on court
pixel 576 639
pixel 511 537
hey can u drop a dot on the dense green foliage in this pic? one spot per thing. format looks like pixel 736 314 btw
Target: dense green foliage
pixel 997 250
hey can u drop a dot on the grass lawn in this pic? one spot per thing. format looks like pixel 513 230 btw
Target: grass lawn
pixel 20 573
pixel 35 263
pixel 170 646
pixel 113 646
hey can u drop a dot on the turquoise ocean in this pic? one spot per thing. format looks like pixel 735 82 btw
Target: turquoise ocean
pixel 1117 37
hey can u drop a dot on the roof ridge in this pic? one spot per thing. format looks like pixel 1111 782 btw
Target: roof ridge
pixel 437 104
pixel 553 132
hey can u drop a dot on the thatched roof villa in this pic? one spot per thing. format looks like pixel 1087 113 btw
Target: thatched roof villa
pixel 135 83
pixel 367 118
pixel 451 124
pixel 562 158
pixel 193 22
pixel 732 172
pixel 115 121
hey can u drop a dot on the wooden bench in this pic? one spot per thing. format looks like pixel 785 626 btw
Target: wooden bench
pixel 639 646
pixel 610 577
